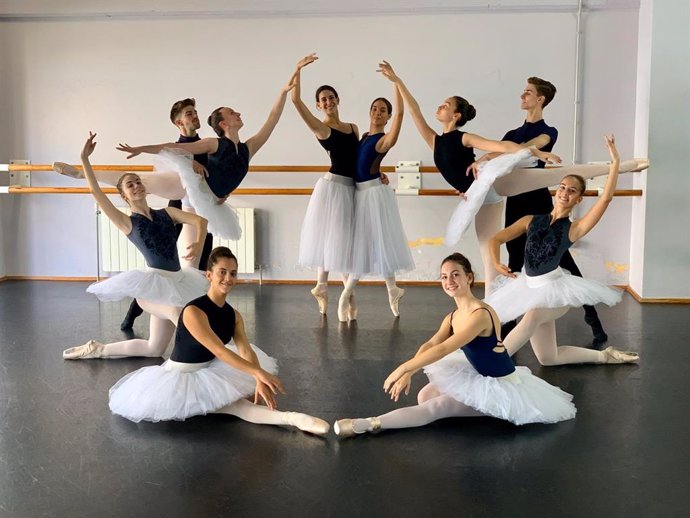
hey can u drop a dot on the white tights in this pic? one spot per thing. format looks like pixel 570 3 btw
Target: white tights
pixel 259 414
pixel 161 330
pixel 487 222
pixel 539 327
pixel 165 185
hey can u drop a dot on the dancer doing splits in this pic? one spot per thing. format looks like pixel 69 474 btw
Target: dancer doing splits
pixel 204 376
pixel 469 370
pixel 545 292
pixel 161 290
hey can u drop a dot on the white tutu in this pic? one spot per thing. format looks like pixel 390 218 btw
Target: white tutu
pixel 379 243
pixel 512 298
pixel 467 209
pixel 176 391
pixel 161 286
pixel 326 238
pixel 222 219
pixel 520 397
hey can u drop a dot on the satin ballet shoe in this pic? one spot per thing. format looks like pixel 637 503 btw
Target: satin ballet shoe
pixel 344 308
pixel 642 164
pixel 352 312
pixel 321 296
pixel 307 423
pixel 616 356
pixel 394 296
pixel 90 350
pixel 345 427
pixel 67 170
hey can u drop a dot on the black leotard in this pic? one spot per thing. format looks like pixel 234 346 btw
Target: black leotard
pixel 452 159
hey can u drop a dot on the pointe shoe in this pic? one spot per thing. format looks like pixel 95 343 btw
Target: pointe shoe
pixel 321 296
pixel 307 423
pixel 345 427
pixel 642 164
pixel 344 308
pixel 352 312
pixel 67 170
pixel 394 296
pixel 616 356
pixel 90 350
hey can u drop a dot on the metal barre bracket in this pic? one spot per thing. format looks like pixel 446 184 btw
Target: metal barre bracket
pixel 409 178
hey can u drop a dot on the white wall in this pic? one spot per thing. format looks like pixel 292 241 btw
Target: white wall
pixel 120 77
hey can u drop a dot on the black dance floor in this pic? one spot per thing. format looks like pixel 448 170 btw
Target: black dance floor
pixel 63 454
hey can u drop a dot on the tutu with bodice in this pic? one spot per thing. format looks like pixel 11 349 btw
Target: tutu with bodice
pixel 176 391
pixel 222 218
pixel 476 194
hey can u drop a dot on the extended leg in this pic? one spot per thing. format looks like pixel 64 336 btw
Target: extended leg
pixel 258 414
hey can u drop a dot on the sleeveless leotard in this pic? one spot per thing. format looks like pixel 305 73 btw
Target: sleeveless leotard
pixel 452 159
pixel 368 159
pixel 342 149
pixel 227 167
pixel 156 239
pixel 546 244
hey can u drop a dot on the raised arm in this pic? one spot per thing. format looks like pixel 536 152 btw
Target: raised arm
pixel 582 226
pixel 390 138
pixel 321 130
pixel 254 143
pixel 200 147
pixel 427 133
pixel 507 234
pixel 119 218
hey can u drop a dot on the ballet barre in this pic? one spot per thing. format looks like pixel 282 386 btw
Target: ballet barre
pixel 145 168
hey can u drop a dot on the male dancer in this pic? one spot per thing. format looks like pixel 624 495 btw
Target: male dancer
pixel 535 132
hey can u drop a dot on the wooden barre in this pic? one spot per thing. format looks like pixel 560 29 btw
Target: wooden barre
pixel 264 192
pixel 252 168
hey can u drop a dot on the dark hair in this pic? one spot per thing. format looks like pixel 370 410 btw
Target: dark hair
pixel 218 253
pixel 323 88
pixel 215 119
pixel 465 109
pixel 460 259
pixel 579 180
pixel 544 88
pixel 385 101
pixel 177 107
pixel 121 181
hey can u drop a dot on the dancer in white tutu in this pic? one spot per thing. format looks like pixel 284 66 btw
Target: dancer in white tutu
pixel 228 163
pixel 469 370
pixel 544 292
pixel 379 242
pixel 326 237
pixel 454 153
pixel 203 374
pixel 161 290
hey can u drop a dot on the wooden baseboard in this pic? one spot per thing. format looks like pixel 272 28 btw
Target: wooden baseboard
pixel 48 278
pixel 653 300
pixel 3 278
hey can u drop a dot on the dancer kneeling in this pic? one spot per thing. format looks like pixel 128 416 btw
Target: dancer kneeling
pixel 204 376
pixel 488 385
pixel 545 292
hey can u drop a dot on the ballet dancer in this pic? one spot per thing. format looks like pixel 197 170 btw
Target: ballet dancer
pixel 379 242
pixel 205 376
pixel 164 288
pixel 326 236
pixel 469 370
pixel 228 163
pixel 545 292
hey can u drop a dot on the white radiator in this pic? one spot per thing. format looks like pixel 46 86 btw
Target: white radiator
pixel 118 254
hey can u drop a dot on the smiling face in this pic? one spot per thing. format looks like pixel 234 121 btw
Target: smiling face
pixel 131 188
pixel 530 98
pixel 454 281
pixel 569 192
pixel 188 120
pixel 223 275
pixel 327 101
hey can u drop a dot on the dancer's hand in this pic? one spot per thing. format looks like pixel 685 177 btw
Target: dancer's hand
pixel 546 157
pixel 263 392
pixel 199 169
pixel 462 195
pixel 384 179
pixel 89 146
pixel 222 200
pixel 398 382
pixel 611 145
pixel 273 384
pixel 504 270
pixel 133 151
pixel 194 250
pixel 307 60
pixel 474 166
pixel 387 71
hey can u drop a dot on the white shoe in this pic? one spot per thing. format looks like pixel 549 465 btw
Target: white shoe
pixel 394 296
pixel 90 350
pixel 344 308
pixel 307 423
pixel 616 356
pixel 67 170
pixel 321 295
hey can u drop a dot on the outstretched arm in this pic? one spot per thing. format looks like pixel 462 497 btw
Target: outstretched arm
pixel 321 130
pixel 428 134
pixel 200 147
pixel 254 143
pixel 505 146
pixel 507 234
pixel 119 218
pixel 390 138
pixel 582 226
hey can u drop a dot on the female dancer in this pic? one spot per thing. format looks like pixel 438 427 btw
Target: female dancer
pixel 544 292
pixel 379 243
pixel 453 154
pixel 228 163
pixel 204 376
pixel 164 288
pixel 488 385
pixel 326 237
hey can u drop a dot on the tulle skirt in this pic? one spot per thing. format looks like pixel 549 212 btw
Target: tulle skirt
pixel 161 286
pixel 379 242
pixel 520 397
pixel 476 195
pixel 512 298
pixel 222 219
pixel 326 238
pixel 176 391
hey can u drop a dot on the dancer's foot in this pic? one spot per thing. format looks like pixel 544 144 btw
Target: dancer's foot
pixel 600 336
pixel 642 164
pixel 351 427
pixel 320 293
pixel 307 423
pixel 352 312
pixel 344 307
pixel 612 355
pixel 67 170
pixel 90 350
pixel 394 296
